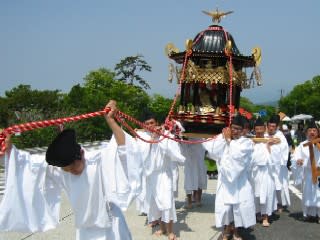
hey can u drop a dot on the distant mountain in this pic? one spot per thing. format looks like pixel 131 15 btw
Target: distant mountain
pixel 270 103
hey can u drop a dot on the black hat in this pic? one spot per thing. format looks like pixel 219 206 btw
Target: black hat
pixel 64 149
pixel 258 122
pixel 246 122
pixel 275 118
pixel 312 124
pixel 150 115
pixel 239 120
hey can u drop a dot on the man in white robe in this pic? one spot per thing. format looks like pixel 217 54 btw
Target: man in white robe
pixel 279 155
pixel 234 202
pixel 262 175
pixel 96 183
pixel 159 161
pixel 195 172
pixel 141 204
pixel 301 168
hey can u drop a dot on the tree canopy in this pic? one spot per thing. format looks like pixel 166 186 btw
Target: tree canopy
pixel 128 68
pixel 256 108
pixel 304 98
pixel 23 104
pixel 160 106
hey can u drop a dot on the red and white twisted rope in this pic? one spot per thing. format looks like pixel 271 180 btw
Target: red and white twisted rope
pixel 119 115
pixel 42 124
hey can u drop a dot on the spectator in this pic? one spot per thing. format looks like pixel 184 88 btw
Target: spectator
pixel 287 134
pixel 300 133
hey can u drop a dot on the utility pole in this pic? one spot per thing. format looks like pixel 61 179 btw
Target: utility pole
pixel 281 96
pixel 281 93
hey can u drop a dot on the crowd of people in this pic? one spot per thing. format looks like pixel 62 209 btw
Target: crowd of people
pixel 253 173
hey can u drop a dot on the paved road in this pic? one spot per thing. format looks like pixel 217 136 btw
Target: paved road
pixel 194 224
pixel 288 225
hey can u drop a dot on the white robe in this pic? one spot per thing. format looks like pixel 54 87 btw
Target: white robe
pixel 175 177
pixel 234 196
pixel 140 200
pixel 31 202
pixel 279 155
pixel 195 171
pixel 141 205
pixel 159 162
pixel 302 175
pixel 262 180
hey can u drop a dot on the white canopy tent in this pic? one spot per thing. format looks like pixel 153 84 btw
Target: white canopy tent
pixel 301 117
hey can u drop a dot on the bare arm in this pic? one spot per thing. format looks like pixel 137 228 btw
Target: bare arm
pixel 117 131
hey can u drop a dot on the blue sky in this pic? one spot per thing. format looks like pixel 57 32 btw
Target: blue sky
pixel 53 44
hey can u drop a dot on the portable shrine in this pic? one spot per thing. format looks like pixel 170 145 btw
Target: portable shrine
pixel 212 73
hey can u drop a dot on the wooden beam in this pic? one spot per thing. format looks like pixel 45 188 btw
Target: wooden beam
pixel 314 169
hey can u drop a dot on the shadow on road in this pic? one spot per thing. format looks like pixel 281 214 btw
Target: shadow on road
pixel 207 207
pixel 274 217
pixel 247 233
pixel 297 216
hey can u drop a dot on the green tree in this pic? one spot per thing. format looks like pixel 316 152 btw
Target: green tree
pixel 76 99
pixel 304 98
pixel 160 106
pixel 27 105
pixel 3 112
pixel 129 68
pixel 99 87
pixel 23 95
pixel 247 104
pixel 255 108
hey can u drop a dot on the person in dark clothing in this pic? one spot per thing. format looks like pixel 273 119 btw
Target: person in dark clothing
pixel 300 133
pixel 287 134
